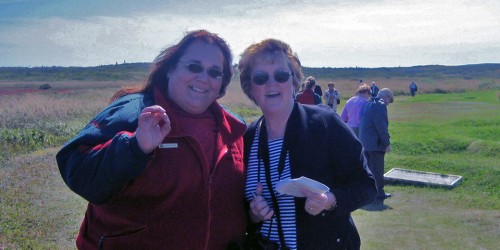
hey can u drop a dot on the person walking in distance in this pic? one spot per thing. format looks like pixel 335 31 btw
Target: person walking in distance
pixel 413 88
pixel 308 96
pixel 374 89
pixel 318 90
pixel 332 97
pixel 354 107
pixel 374 135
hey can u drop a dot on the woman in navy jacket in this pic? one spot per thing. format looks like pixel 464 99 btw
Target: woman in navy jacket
pixel 293 140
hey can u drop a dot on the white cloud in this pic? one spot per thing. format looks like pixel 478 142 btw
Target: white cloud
pixel 339 34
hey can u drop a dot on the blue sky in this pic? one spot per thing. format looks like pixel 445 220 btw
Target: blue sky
pixel 324 33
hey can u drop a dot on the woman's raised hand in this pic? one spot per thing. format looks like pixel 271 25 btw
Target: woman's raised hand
pixel 152 128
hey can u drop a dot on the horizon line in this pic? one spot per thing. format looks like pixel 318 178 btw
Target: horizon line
pixel 234 64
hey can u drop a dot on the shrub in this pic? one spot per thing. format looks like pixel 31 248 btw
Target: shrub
pixel 400 93
pixel 439 91
pixel 45 86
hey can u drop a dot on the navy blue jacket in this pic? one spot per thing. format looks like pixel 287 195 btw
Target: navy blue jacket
pixel 374 126
pixel 323 148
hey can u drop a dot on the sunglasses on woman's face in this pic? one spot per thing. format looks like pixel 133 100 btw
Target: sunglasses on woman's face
pixel 279 76
pixel 197 68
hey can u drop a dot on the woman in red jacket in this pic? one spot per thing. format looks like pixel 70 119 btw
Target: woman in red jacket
pixel 162 165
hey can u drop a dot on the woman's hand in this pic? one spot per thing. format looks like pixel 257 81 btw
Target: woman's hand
pixel 152 128
pixel 316 203
pixel 259 209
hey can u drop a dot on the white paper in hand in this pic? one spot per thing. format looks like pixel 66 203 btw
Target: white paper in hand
pixel 293 187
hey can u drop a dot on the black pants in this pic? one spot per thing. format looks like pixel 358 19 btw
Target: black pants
pixel 376 165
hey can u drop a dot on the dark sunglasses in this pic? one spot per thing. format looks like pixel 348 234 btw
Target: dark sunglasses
pixel 197 68
pixel 279 76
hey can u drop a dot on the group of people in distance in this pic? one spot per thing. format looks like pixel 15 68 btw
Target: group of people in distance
pixel 165 166
pixel 366 114
pixel 311 93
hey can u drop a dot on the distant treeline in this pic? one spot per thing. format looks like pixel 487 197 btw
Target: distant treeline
pixel 138 71
pixel 115 72
pixel 472 71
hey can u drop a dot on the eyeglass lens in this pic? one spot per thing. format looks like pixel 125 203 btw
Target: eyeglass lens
pixel 279 76
pixel 197 68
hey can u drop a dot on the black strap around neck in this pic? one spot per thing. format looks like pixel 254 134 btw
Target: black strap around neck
pixel 263 154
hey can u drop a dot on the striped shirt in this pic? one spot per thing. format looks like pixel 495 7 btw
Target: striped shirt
pixel 286 203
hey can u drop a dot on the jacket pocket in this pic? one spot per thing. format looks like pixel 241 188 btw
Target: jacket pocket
pixel 132 238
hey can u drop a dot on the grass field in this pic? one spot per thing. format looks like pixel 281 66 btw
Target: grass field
pixel 451 134
pixel 454 133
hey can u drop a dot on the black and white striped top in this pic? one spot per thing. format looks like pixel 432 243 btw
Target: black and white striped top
pixel 285 202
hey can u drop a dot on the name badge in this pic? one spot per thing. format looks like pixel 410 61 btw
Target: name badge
pixel 168 145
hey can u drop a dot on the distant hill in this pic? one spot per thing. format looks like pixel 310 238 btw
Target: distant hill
pixel 125 72
pixel 472 71
pixel 138 72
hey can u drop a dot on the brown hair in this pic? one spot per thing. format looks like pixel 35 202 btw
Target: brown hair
pixel 363 89
pixel 270 50
pixel 169 57
pixel 310 82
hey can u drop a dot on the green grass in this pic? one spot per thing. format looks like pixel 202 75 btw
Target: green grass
pixel 453 133
pixel 37 211
pixel 475 96
pixel 461 136
pixel 426 218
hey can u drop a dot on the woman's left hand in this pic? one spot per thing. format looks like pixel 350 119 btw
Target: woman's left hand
pixel 259 209
pixel 153 126
pixel 316 203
